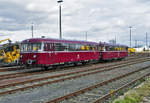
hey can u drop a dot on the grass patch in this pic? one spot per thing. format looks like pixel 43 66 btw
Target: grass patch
pixel 136 95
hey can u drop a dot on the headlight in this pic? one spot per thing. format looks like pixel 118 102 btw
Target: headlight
pixel 20 56
pixel 34 56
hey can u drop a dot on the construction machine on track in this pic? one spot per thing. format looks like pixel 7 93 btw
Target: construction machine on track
pixel 9 52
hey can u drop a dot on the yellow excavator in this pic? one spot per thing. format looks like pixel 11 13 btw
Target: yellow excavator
pixel 9 52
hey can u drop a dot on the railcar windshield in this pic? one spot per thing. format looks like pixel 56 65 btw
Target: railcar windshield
pixel 31 47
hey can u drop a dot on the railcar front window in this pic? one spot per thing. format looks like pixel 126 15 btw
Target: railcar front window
pixel 31 47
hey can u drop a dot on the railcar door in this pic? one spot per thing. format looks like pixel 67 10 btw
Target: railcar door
pixel 49 48
pixel 52 53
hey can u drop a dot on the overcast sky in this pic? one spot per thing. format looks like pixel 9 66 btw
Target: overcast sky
pixel 101 19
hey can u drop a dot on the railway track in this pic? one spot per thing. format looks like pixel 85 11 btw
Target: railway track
pixel 15 68
pixel 12 68
pixel 39 72
pixel 36 82
pixel 99 92
pixel 116 90
pixel 15 75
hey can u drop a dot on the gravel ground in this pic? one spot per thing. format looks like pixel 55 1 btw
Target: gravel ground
pixel 146 99
pixel 52 91
pixel 91 96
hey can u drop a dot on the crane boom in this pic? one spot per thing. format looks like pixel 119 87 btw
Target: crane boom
pixel 5 40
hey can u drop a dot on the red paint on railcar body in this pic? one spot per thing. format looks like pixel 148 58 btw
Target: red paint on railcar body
pixel 46 52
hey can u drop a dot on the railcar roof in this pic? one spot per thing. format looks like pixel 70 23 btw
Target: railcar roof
pixel 36 40
pixel 110 44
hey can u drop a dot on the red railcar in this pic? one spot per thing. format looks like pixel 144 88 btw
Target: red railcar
pixel 46 52
pixel 113 51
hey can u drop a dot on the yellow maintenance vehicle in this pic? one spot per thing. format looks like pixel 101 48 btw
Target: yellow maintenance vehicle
pixel 9 52
pixel 131 50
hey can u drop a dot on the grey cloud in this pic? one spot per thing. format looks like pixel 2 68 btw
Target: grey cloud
pixel 19 16
pixel 101 19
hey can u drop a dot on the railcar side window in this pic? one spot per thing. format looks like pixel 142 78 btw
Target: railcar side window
pixel 71 47
pixel 74 47
pixel 58 47
pixel 48 47
pixel 27 47
pixel 65 47
pixel 92 47
pixel 101 48
pixel 78 47
pixel 112 48
pixel 36 47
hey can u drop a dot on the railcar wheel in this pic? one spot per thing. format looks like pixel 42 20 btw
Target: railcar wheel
pixel 84 63
pixel 27 66
pixel 54 66
pixel 75 63
pixel 46 67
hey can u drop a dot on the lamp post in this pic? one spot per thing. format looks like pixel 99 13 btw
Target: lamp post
pixel 135 43
pixel 60 28
pixel 130 35
pixel 115 39
pixel 146 39
pixel 86 36
pixel 32 29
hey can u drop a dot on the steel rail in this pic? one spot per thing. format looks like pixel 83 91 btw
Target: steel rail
pixel 117 90
pixel 22 74
pixel 5 69
pixel 70 73
pixel 59 99
pixel 50 82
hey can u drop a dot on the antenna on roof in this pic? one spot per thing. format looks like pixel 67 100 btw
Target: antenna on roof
pixel 42 36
